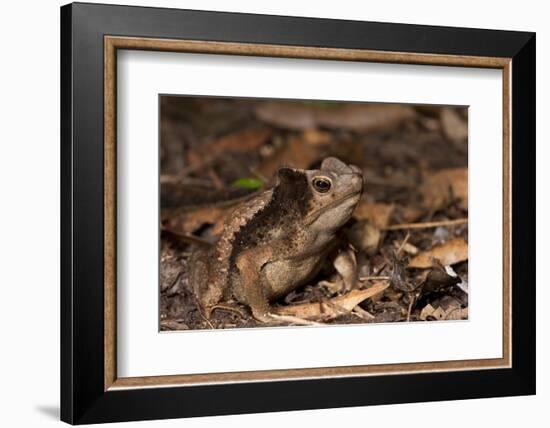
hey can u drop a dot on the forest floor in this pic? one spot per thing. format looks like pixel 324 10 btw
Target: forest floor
pixel 409 232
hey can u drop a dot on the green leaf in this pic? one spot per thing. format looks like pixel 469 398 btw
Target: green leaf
pixel 247 183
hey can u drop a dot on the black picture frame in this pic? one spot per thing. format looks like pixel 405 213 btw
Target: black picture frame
pixel 83 398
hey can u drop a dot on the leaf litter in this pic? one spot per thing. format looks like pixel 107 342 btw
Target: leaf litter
pixel 404 254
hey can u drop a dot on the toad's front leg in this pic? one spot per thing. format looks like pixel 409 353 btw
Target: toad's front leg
pixel 252 287
pixel 254 290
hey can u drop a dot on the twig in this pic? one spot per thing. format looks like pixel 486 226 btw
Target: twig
pixel 215 179
pixel 427 225
pixel 259 175
pixel 186 181
pixel 366 315
pixel 412 299
pixel 381 268
pixel 387 278
pixel 374 278
pixel 205 318
pixel 403 243
pixel 336 308
pixel 200 310
pixel 293 319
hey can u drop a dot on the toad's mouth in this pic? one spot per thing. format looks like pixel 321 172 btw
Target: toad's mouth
pixel 314 215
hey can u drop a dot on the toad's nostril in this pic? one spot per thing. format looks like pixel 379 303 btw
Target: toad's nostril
pixel 357 177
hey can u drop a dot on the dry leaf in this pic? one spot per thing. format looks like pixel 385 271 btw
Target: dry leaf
pixel 287 115
pixel 316 137
pixel 351 117
pixel 447 308
pixel 364 236
pixel 410 214
pixel 448 253
pixel 399 279
pixel 457 314
pixel 335 306
pixel 445 186
pixel 373 217
pixel 376 213
pixel 345 264
pixel 171 269
pixel 364 117
pixel 295 154
pixel 345 279
pixel 192 196
pixel 189 222
pixel 434 280
pixel 408 248
pixel 173 325
pixel 454 127
pixel 242 141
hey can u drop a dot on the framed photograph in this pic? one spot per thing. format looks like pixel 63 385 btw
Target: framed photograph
pixel 266 213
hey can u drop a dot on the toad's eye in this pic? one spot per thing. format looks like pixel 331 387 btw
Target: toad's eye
pixel 322 185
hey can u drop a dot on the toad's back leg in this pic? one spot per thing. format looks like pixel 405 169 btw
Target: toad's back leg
pixel 207 282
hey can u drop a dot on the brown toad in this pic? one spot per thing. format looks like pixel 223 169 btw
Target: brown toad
pixel 277 241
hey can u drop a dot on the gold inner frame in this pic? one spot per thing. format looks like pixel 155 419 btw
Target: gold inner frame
pixel 113 43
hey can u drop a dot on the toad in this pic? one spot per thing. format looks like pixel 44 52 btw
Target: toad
pixel 277 241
